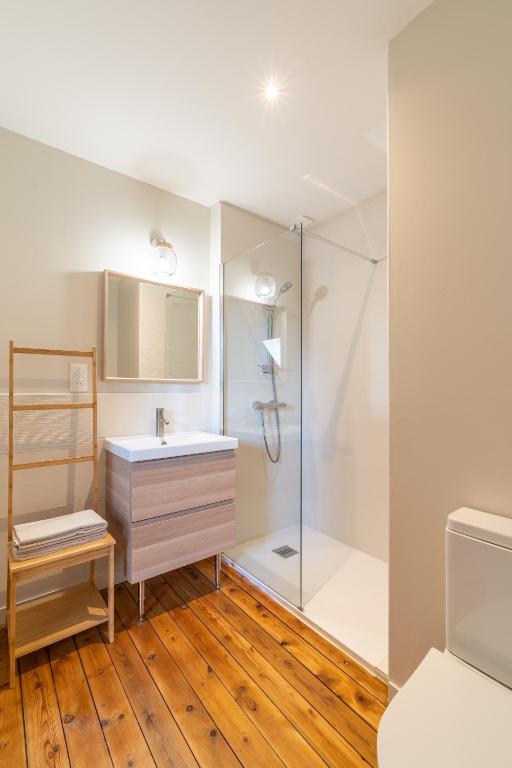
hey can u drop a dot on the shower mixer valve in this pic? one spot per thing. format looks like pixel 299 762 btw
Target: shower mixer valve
pixel 272 404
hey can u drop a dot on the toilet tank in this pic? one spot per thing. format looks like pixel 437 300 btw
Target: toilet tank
pixel 479 591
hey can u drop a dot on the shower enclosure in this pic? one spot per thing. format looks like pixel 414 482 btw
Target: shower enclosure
pixel 304 391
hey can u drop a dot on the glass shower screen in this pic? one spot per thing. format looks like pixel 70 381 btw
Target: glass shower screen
pixel 262 318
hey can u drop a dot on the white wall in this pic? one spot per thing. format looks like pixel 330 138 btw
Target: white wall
pixel 62 222
pixel 345 423
pixel 450 162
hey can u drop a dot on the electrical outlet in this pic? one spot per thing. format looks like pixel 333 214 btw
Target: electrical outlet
pixel 78 377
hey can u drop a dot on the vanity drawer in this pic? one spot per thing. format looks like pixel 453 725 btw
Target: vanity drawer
pixel 166 486
pixel 158 546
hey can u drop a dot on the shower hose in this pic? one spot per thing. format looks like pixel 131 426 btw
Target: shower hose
pixel 274 459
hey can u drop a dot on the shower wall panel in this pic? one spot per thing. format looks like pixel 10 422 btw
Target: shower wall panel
pixel 345 379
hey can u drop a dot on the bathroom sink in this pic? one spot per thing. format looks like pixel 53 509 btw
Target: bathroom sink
pixel 147 447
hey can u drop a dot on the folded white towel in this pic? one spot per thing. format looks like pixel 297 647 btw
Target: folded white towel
pixel 55 528
pixel 44 536
pixel 64 541
pixel 45 548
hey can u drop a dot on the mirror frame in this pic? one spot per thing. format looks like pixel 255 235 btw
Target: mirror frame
pixel 200 329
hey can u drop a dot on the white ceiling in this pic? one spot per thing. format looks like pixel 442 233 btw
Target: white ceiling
pixel 169 92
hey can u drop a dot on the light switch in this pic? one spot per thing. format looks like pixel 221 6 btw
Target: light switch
pixel 78 377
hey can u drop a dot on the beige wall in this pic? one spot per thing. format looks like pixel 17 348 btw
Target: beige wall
pixel 125 329
pixel 241 230
pixel 450 113
pixel 62 221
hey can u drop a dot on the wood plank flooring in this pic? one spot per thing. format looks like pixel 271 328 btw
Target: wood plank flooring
pixel 212 678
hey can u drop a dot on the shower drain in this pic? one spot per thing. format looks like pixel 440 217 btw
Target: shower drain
pixel 285 551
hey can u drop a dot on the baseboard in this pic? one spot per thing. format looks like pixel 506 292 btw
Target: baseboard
pixel 392 689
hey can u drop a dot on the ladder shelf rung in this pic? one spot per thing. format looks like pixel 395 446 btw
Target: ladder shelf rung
pixel 53 462
pixel 64 352
pixel 50 406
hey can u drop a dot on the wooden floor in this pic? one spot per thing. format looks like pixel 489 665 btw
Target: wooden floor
pixel 211 678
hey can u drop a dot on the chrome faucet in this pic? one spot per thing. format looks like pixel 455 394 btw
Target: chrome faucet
pixel 161 422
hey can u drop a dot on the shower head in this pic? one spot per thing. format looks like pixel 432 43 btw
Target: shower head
pixel 285 287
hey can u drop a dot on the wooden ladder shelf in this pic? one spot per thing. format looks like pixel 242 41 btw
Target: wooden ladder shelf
pixel 44 620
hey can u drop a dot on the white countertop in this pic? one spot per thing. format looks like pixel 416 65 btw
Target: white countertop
pixel 146 447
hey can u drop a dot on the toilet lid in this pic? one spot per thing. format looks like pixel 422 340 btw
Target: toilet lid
pixel 447 715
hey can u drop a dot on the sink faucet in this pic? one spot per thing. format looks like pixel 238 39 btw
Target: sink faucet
pixel 161 422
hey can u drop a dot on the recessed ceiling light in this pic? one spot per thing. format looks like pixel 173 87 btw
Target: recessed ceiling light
pixel 271 91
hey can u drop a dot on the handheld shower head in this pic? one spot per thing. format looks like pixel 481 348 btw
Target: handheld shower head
pixel 285 287
pixel 272 307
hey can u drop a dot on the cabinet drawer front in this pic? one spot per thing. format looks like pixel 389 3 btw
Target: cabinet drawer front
pixel 172 485
pixel 163 545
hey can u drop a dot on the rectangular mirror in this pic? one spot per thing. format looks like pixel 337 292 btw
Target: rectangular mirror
pixel 151 331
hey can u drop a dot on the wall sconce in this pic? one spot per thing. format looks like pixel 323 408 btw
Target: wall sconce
pixel 167 261
pixel 265 287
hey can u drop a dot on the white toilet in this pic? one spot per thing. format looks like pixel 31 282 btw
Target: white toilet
pixel 455 711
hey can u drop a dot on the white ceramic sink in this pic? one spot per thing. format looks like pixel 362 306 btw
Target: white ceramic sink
pixel 177 444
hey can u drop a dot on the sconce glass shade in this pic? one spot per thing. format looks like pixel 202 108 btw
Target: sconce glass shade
pixel 166 259
pixel 265 287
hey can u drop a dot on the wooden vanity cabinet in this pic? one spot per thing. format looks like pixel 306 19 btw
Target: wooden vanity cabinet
pixel 166 513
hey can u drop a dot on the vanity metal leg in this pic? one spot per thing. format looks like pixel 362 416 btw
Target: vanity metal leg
pixel 218 562
pixel 141 601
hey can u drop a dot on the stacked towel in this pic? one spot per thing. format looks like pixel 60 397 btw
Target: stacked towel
pixel 44 536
